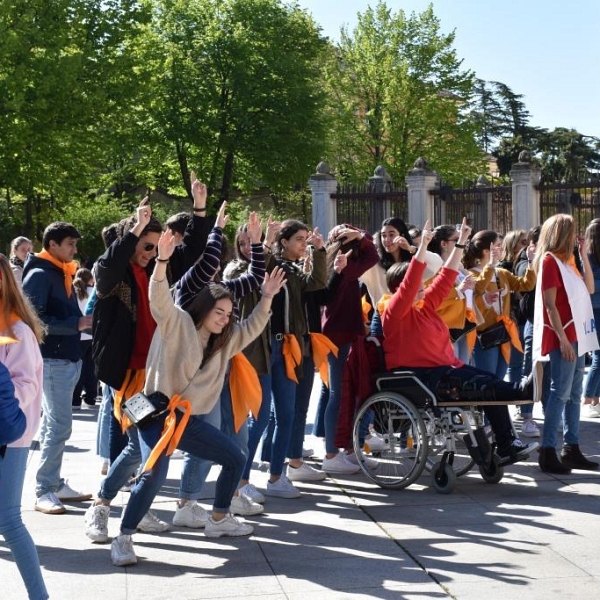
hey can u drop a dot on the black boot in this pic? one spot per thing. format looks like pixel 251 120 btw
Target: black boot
pixel 571 457
pixel 549 462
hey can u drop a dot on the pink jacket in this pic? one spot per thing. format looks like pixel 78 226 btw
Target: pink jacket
pixel 24 362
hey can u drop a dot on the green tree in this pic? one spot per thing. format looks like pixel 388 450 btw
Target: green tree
pixel 398 92
pixel 235 93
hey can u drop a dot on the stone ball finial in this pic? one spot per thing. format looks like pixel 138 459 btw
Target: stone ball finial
pixel 524 156
pixel 323 168
pixel 482 181
pixel 380 171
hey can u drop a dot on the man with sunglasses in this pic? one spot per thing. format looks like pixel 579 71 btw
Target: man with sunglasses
pixel 48 282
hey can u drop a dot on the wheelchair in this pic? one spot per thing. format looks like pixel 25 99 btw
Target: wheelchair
pixel 420 431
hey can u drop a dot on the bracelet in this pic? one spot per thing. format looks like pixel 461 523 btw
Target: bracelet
pixel 266 246
pixel 461 246
pixel 413 250
pixel 162 260
pixel 199 209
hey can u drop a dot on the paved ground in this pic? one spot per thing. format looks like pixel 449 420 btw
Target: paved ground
pixel 531 536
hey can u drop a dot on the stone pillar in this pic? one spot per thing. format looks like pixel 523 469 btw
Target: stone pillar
pixel 324 208
pixel 379 206
pixel 421 204
pixel 525 177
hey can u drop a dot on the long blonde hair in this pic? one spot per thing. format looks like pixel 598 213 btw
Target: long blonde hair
pixel 14 302
pixel 510 244
pixel 556 236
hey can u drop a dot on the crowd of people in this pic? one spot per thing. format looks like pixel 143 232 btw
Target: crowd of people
pixel 225 349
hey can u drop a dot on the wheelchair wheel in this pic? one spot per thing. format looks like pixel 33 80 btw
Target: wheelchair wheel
pixel 492 473
pixel 397 420
pixel 442 437
pixel 443 479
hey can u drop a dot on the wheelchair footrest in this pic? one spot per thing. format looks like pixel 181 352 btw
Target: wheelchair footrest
pixel 481 450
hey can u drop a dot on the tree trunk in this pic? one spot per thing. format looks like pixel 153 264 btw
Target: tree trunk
pixel 183 167
pixel 227 176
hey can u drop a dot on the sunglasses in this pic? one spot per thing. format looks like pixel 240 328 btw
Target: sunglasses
pixel 148 247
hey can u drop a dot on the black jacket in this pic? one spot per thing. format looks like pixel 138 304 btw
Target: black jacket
pixel 115 312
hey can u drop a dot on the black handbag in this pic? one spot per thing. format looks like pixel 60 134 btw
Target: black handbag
pixel 456 333
pixel 493 336
pixel 141 410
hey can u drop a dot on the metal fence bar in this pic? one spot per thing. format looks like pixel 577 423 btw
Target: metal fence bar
pixel 582 200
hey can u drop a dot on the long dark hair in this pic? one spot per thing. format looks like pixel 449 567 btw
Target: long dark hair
pixel 386 260
pixel 592 240
pixel 199 309
pixel 442 233
pixel 81 282
pixel 481 241
pixel 335 244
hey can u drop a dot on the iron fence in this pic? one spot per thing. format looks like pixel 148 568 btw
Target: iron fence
pixel 485 207
pixel 582 200
pixel 363 207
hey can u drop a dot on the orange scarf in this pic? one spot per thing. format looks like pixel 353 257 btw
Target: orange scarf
pixel 513 333
pixel 472 335
pixel 133 383
pixel 69 269
pixel 4 325
pixel 292 355
pixel 366 308
pixel 246 391
pixel 171 433
pixel 321 347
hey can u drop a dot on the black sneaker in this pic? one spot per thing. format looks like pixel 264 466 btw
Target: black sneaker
pixel 516 452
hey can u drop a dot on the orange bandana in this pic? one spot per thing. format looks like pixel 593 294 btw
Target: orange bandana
pixel 292 355
pixel 4 325
pixel 321 347
pixel 246 391
pixel 69 269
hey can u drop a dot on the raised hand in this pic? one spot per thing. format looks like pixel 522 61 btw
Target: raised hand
pixel 464 231
pixel 341 260
pixel 254 228
pixel 273 282
pixel 222 218
pixel 273 228
pixel 402 242
pixel 166 245
pixel 143 212
pixel 495 253
pixel 347 235
pixel 316 239
pixel 198 191
pixel 426 234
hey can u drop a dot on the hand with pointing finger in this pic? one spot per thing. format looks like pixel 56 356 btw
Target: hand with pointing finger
pixel 341 260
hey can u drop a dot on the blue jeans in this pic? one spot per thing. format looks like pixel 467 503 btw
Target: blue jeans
pixel 104 416
pixel 284 401
pixel 565 398
pixel 12 529
pixel 461 350
pixel 514 370
pixel 303 393
pixel 490 360
pixel 333 398
pixel 123 467
pixel 592 381
pixel 60 378
pixel 257 426
pixel 200 440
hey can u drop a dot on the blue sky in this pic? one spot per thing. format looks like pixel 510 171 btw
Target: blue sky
pixel 547 50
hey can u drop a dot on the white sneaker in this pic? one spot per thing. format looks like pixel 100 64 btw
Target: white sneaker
pixel 150 523
pixel 191 514
pixel 49 504
pixel 96 523
pixel 67 494
pixel 228 526
pixel 375 443
pixel 307 452
pixel 305 473
pixel 242 505
pixel 177 454
pixel 591 411
pixel 370 463
pixel 530 429
pixel 282 488
pixel 121 551
pixel 339 464
pixel 249 490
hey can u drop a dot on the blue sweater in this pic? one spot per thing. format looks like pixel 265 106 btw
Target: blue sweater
pixel 12 419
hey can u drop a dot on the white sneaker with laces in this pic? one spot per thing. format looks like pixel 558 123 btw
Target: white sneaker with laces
pixel 229 526
pixel 191 514
pixel 150 523
pixel 67 494
pixel 591 411
pixel 242 505
pixel 121 551
pixel 249 490
pixel 370 463
pixel 49 504
pixel 282 488
pixel 305 473
pixel 96 523
pixel 530 429
pixel 376 443
pixel 339 465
